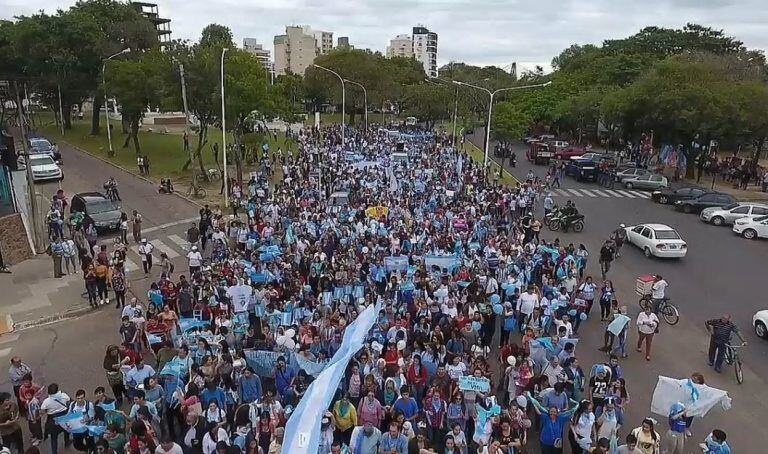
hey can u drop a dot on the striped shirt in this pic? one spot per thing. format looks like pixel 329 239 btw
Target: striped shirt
pixel 722 330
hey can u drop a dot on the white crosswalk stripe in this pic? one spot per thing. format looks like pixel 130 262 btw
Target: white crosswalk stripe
pixel 155 254
pixel 170 252
pixel 613 193
pixel 641 194
pixel 588 192
pixel 575 192
pixel 129 265
pixel 600 193
pixel 181 242
pixel 626 194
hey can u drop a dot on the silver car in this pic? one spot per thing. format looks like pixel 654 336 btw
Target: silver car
pixel 648 181
pixel 631 172
pixel 728 214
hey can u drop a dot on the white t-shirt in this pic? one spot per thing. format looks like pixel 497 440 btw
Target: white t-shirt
pixel 658 289
pixel 527 302
pixel 195 258
pixel 175 449
pixel 647 324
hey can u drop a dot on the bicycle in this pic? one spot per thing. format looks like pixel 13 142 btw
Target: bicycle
pixel 197 192
pixel 668 311
pixel 732 358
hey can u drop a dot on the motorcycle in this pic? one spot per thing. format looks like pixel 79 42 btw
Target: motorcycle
pixel 111 191
pixel 556 223
pixel 554 213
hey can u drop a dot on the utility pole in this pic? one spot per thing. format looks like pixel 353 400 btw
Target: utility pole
pixel 186 123
pixel 61 113
pixel 30 181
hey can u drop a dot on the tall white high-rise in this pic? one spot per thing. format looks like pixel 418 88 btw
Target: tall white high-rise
pixel 425 49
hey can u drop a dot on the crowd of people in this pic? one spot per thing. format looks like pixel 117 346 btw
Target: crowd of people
pixel 474 348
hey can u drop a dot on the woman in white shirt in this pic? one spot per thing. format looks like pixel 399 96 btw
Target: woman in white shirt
pixel 647 323
pixel 582 428
pixel 214 435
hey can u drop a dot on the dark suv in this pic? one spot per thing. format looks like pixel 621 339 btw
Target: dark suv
pixel 710 199
pixel 104 213
pixel 582 169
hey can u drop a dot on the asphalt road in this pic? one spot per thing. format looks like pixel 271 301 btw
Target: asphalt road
pixel 722 273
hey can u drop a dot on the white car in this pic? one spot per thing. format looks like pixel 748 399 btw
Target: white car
pixel 727 215
pixel 752 228
pixel 657 240
pixel 760 323
pixel 44 168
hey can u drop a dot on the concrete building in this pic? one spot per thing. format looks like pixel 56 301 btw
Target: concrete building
pixel 163 26
pixel 343 42
pixel 257 50
pixel 425 49
pixel 400 46
pixel 298 47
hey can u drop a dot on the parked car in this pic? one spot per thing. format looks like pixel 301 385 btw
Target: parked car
pixel 648 181
pixel 595 157
pixel 43 167
pixel 569 152
pixel 727 215
pixel 631 172
pixel 751 228
pixel 104 213
pixel 760 323
pixel 670 196
pixel 657 240
pixel 710 199
pixel 41 145
pixel 582 169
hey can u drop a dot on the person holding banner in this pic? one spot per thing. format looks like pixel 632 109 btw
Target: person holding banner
pixel 54 406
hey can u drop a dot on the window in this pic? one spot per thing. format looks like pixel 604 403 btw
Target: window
pixel 646 232
pixel 724 199
pixel 656 178
pixel 638 229
pixel 741 210
pixel 707 198
pixel 759 211
pixel 667 235
pixel 643 178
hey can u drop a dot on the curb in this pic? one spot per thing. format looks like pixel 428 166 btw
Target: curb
pixel 140 177
pixel 53 318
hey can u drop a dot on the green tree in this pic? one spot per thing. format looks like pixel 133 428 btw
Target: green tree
pixel 429 103
pixel 509 123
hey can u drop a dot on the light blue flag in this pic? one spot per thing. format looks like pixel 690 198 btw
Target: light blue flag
pixel 302 434
pixel 72 422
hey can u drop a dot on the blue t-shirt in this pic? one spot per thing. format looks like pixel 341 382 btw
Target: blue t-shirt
pixel 408 408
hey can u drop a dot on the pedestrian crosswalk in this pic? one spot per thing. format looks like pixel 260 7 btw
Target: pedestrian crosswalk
pixel 596 193
pixel 174 246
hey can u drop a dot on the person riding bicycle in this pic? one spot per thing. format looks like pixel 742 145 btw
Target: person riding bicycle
pixel 619 236
pixel 570 214
pixel 111 187
pixel 720 330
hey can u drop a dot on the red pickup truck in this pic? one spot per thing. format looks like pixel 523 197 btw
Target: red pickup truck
pixel 569 152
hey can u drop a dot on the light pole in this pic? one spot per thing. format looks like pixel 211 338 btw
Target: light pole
pixel 186 122
pixel 492 94
pixel 106 98
pixel 343 99
pixel 224 131
pixel 455 103
pixel 365 98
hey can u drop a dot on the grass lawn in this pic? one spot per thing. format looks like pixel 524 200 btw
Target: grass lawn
pixel 165 150
pixel 478 156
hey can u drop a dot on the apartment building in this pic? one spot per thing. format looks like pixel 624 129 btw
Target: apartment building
pixel 400 46
pixel 425 49
pixel 252 46
pixel 297 48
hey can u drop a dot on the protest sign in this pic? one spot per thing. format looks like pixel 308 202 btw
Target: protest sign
pixel 479 384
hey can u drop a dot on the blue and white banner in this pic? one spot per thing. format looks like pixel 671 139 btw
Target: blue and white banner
pixel 449 262
pixel 72 422
pixel 470 383
pixel 396 263
pixel 302 433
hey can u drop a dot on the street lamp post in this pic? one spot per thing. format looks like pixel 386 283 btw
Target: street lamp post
pixel 343 99
pixel 106 98
pixel 492 94
pixel 224 131
pixel 186 122
pixel 365 98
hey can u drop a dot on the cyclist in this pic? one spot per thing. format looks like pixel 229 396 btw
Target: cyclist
pixel 658 289
pixel 720 330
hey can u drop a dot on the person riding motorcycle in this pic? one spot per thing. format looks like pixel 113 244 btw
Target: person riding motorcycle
pixel 111 187
pixel 570 213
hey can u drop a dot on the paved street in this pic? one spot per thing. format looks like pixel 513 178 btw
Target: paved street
pixel 166 217
pixel 721 273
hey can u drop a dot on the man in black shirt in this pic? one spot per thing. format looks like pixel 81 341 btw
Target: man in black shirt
pixel 720 330
pixel 607 253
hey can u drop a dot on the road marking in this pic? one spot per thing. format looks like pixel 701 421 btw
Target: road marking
pixel 169 251
pixel 169 224
pixel 613 193
pixel 575 192
pixel 627 194
pixel 5 352
pixel 155 259
pixel 588 192
pixel 643 195
pixel 181 242
pixel 600 193
pixel 129 265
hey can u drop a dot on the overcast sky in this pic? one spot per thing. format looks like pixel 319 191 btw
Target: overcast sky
pixel 480 32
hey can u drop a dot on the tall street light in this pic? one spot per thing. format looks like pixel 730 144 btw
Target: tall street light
pixel 435 81
pixel 106 98
pixel 343 99
pixel 224 131
pixel 492 94
pixel 365 98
